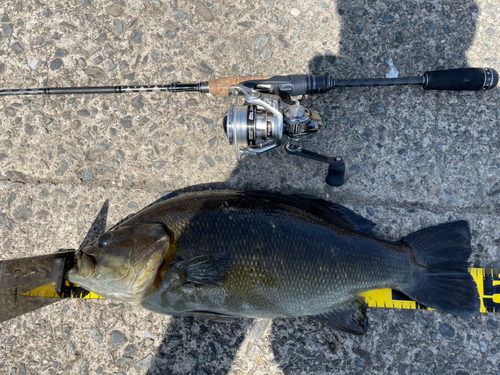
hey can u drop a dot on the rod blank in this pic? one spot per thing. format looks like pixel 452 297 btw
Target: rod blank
pixel 174 87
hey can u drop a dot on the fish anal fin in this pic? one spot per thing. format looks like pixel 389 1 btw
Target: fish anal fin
pixel 350 317
pixel 203 270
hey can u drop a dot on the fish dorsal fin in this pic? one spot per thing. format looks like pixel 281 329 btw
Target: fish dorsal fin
pixel 337 215
pixel 349 317
pixel 202 270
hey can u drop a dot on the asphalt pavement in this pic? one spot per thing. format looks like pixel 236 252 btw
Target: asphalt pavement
pixel 414 159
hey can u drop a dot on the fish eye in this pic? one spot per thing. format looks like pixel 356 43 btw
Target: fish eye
pixel 103 241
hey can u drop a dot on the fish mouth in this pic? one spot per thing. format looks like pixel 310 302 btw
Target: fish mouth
pixel 137 287
pixel 126 268
pixel 77 270
pixel 86 264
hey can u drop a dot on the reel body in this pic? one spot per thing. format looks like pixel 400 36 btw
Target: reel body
pixel 259 123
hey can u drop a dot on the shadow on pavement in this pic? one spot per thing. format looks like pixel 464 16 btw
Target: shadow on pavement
pixel 375 37
pixel 214 352
pixel 98 226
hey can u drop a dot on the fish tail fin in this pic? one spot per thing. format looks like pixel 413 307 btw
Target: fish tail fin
pixel 444 283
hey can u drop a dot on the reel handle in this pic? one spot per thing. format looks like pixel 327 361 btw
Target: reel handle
pixel 466 79
pixel 336 166
pixel 336 172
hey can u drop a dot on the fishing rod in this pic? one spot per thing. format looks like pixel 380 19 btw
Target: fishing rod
pixel 258 125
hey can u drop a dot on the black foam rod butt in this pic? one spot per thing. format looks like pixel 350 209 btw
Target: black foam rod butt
pixel 466 79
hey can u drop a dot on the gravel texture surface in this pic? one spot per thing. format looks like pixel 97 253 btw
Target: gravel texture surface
pixel 414 158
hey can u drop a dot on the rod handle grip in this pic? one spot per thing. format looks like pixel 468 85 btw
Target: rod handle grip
pixel 466 79
pixel 221 86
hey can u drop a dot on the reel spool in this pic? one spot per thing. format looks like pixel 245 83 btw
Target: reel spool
pixel 257 125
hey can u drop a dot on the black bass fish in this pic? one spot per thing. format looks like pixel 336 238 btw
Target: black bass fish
pixel 228 254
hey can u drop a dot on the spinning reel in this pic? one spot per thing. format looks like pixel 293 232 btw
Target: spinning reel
pixel 260 123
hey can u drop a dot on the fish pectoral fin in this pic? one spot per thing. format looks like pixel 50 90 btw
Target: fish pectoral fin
pixel 349 317
pixel 204 269
pixel 338 215
pixel 216 317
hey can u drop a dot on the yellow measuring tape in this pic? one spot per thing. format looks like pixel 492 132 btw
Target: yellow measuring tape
pixel 487 280
pixel 70 291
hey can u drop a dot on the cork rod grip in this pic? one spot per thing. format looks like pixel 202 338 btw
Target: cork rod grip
pixel 221 86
